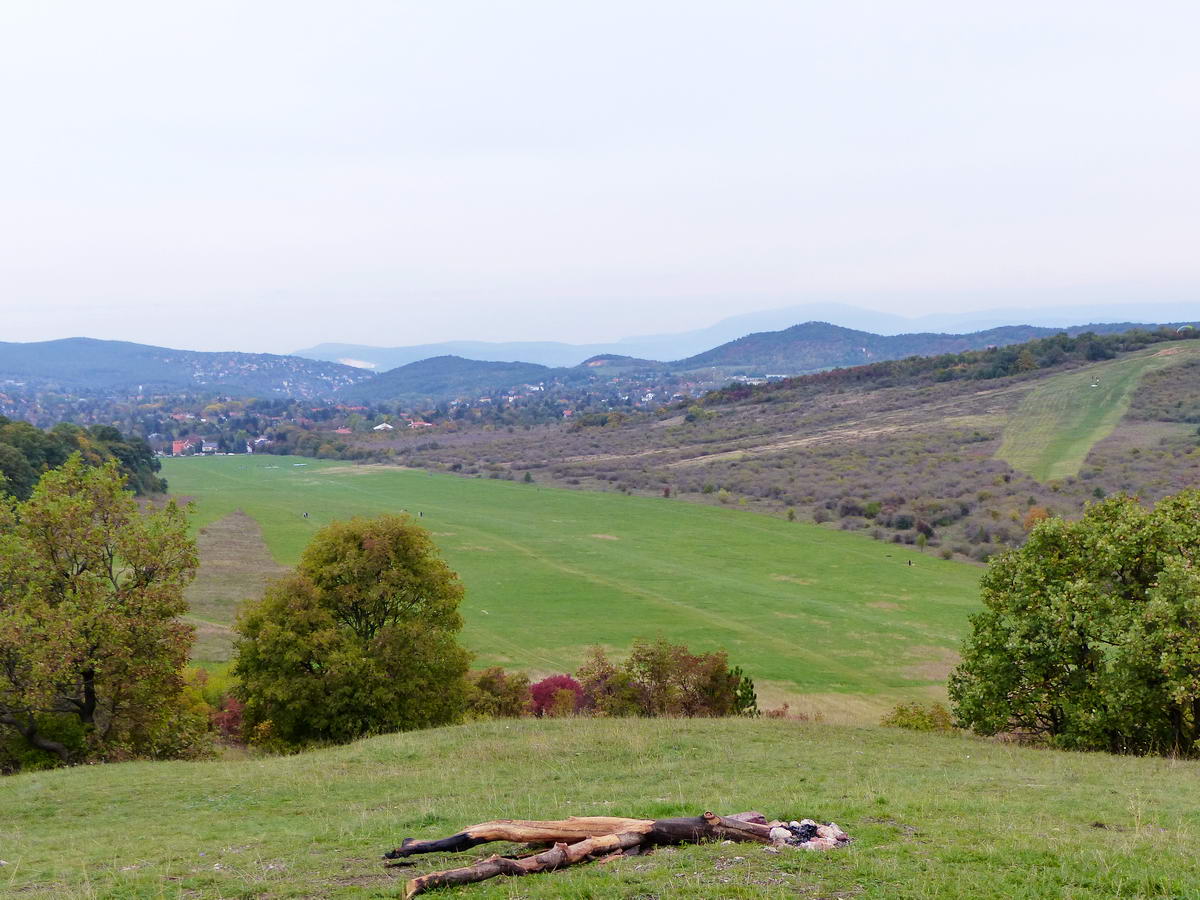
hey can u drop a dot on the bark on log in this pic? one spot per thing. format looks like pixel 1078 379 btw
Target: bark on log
pixel 566 831
pixel 556 857
pixel 577 839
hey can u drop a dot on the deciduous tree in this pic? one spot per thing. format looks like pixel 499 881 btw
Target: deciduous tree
pixel 91 646
pixel 1090 634
pixel 362 639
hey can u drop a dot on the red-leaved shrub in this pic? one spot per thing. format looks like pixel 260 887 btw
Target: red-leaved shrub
pixel 228 719
pixel 546 699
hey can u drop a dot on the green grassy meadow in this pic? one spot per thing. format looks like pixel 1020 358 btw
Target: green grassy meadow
pixel 932 816
pixel 1063 417
pixel 828 621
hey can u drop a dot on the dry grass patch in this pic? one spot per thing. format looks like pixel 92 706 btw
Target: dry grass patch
pixel 235 566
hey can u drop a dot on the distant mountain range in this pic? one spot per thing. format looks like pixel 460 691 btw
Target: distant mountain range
pixel 798 350
pixel 688 344
pixel 85 365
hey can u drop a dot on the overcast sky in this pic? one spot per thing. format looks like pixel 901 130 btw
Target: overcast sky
pixel 268 175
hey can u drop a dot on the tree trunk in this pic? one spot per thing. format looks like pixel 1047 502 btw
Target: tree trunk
pixel 87 711
pixel 577 839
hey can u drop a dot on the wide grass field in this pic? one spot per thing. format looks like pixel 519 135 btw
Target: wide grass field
pixel 932 816
pixel 830 622
pixel 1063 417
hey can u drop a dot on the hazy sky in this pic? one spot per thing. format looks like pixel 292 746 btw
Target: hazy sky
pixel 268 175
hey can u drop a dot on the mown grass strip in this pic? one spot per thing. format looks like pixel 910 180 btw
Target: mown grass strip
pixel 1062 418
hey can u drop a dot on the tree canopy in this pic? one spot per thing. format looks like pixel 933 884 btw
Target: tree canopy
pixel 361 639
pixel 27 452
pixel 1090 636
pixel 91 647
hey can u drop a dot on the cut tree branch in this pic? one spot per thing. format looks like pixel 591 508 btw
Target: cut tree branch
pixel 577 839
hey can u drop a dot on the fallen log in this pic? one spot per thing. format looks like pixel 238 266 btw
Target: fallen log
pixel 575 840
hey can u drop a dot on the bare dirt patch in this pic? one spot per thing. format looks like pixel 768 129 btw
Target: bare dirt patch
pixel 605 537
pixel 885 604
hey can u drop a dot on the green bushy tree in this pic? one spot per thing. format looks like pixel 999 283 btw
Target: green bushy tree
pixel 361 639
pixel 1090 636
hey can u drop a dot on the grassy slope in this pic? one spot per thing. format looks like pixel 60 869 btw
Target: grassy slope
pixel 1063 417
pixel 835 617
pixel 933 816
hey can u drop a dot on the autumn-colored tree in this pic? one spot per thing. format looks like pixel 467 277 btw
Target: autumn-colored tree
pixel 361 639
pixel 495 694
pixel 665 679
pixel 1034 515
pixel 91 647
pixel 556 696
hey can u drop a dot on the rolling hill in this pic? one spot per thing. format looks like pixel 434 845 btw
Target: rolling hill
pixel 955 451
pixel 800 349
pixel 816 346
pixel 688 343
pixel 430 381
pixel 87 366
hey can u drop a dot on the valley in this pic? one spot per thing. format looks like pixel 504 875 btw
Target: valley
pixel 830 623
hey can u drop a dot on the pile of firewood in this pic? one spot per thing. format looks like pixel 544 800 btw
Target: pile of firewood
pixel 600 838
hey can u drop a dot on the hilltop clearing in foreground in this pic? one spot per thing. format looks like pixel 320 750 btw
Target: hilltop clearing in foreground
pixel 932 816
pixel 828 622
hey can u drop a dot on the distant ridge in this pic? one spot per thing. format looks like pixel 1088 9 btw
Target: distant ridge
pixel 443 378
pixel 815 346
pixel 685 344
pixel 86 365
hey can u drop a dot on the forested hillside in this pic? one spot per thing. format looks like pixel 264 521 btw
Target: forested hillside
pixel 26 452
pixel 87 366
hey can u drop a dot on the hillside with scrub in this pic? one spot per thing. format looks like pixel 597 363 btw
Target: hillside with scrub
pixel 955 455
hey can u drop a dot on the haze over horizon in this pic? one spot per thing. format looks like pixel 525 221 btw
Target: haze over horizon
pixel 272 176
